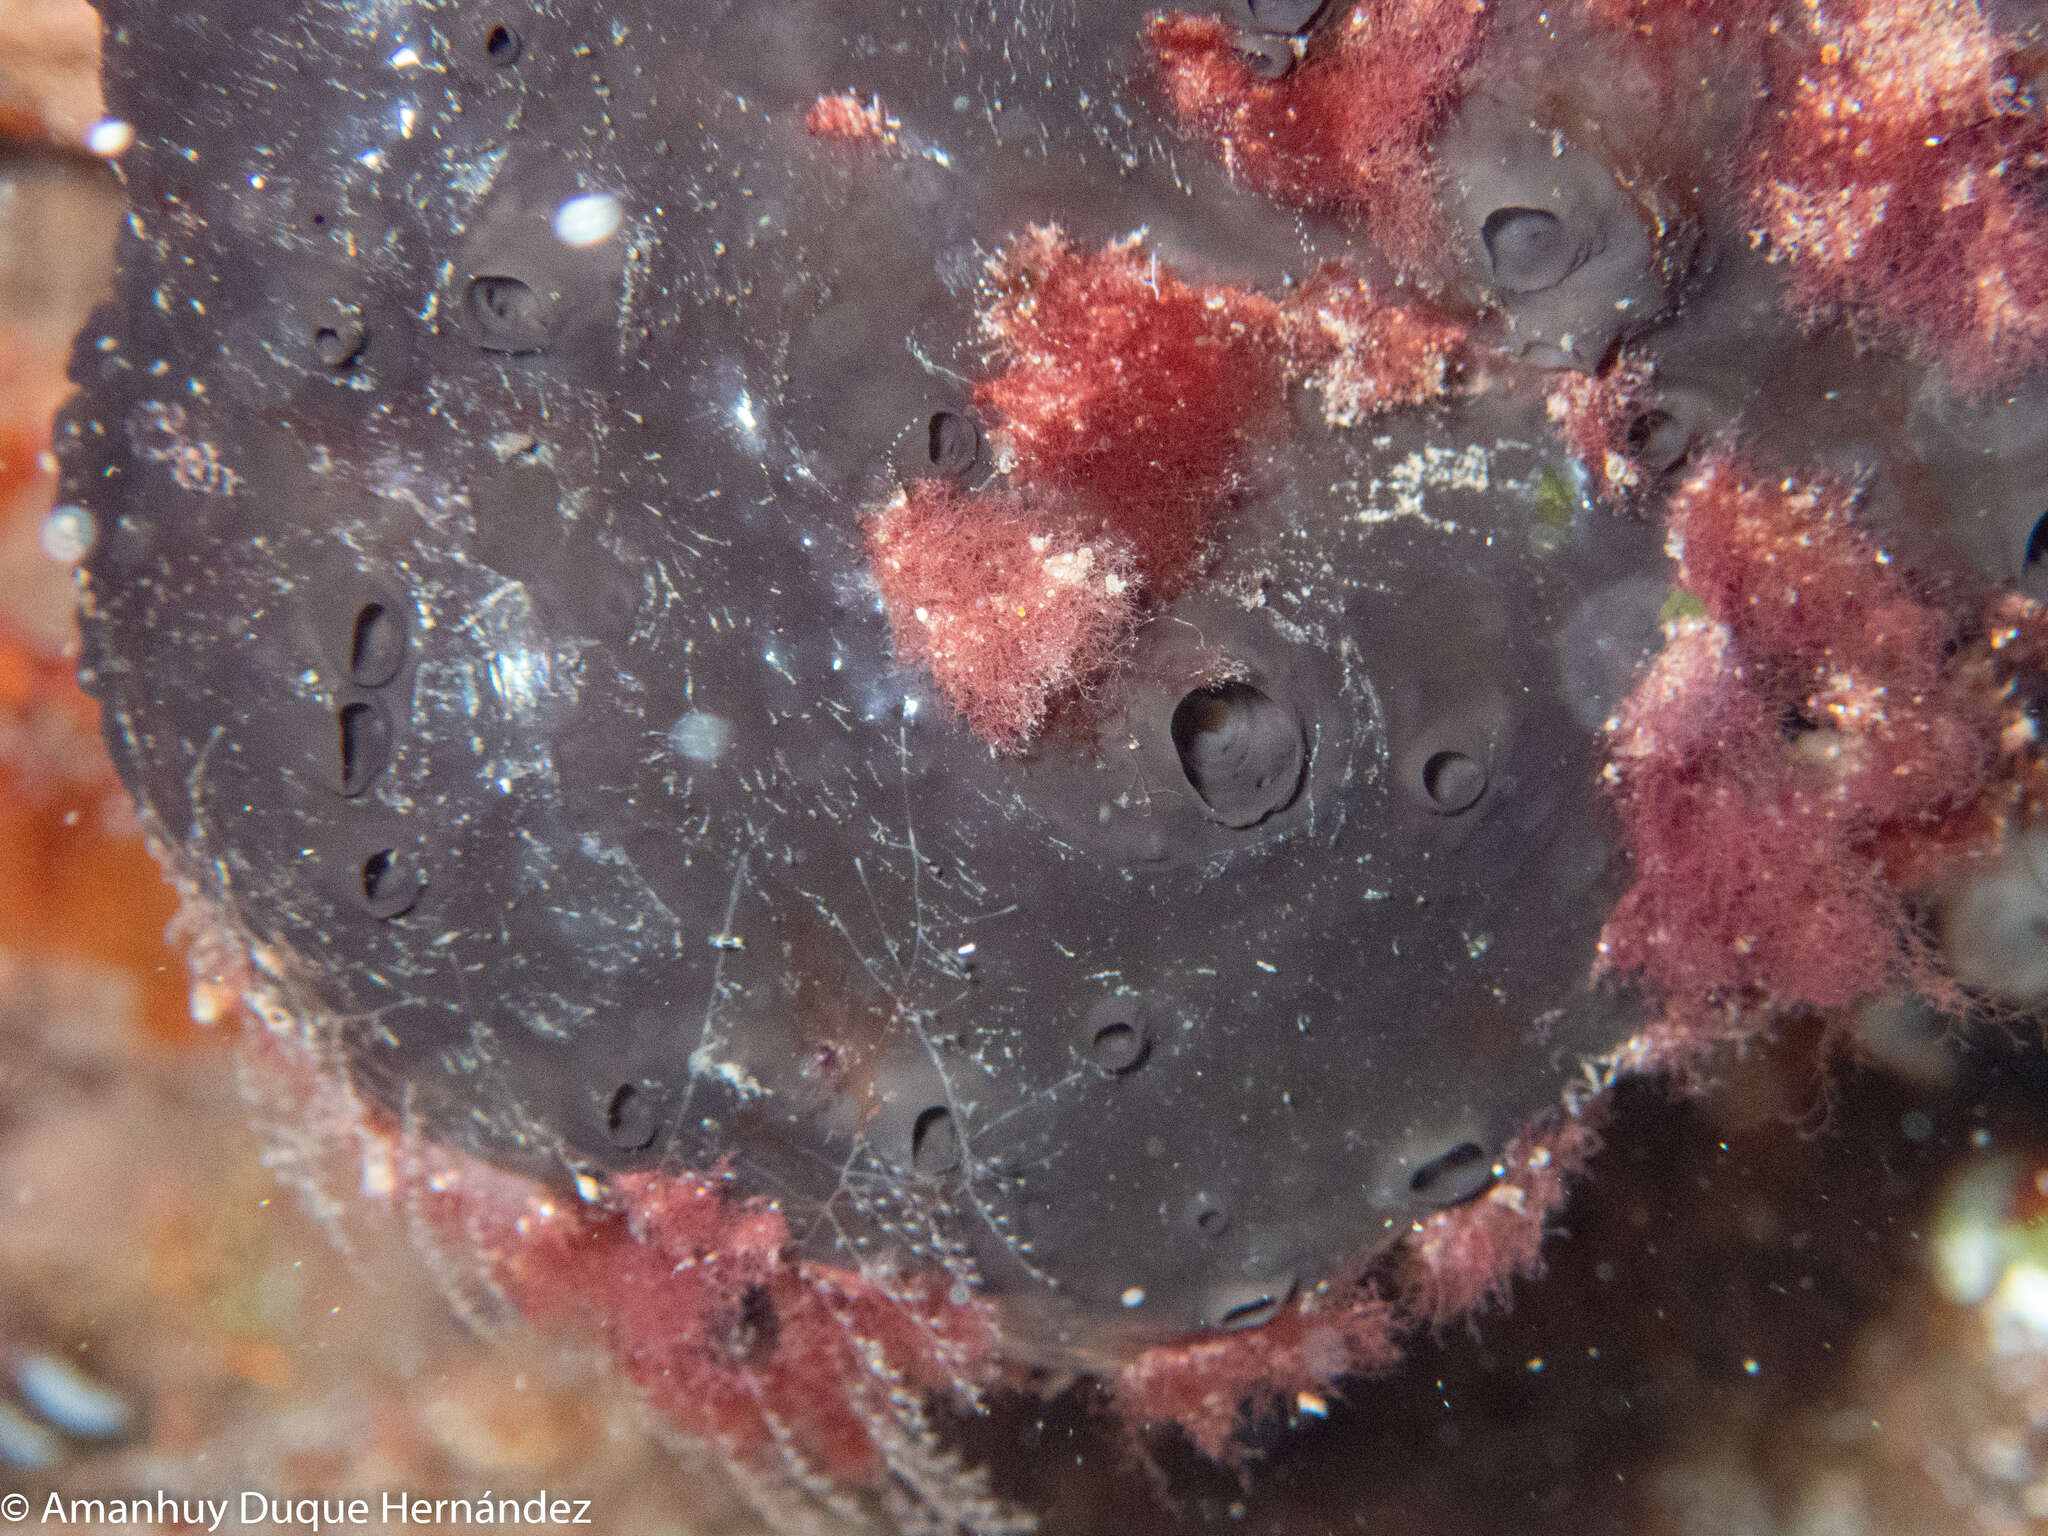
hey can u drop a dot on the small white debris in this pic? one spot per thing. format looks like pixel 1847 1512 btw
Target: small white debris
pixel 1134 1297
pixel 701 737
pixel 1070 568
pixel 1402 492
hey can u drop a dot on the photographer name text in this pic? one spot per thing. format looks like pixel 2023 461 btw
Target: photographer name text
pixel 325 1514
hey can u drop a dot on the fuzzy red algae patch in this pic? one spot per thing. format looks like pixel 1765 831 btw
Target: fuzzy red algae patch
pixel 1210 1387
pixel 801 1373
pixel 1745 884
pixel 848 118
pixel 1840 633
pixel 1007 603
pixel 809 1379
pixel 1128 390
pixel 1133 392
pixel 1597 416
pixel 1776 749
pixel 1348 130
pixel 1364 354
pixel 1453 1264
pixel 1121 406
pixel 1901 179
pixel 1459 1262
pixel 696 1296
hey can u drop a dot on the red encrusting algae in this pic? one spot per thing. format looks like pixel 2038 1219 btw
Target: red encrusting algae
pixel 1348 129
pixel 1902 176
pixel 1781 752
pixel 1121 407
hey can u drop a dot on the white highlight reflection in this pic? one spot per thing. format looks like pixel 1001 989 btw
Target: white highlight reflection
pixel 590 219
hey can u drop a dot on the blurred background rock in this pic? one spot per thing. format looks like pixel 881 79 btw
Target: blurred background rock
pixel 49 70
pixel 1813 1303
